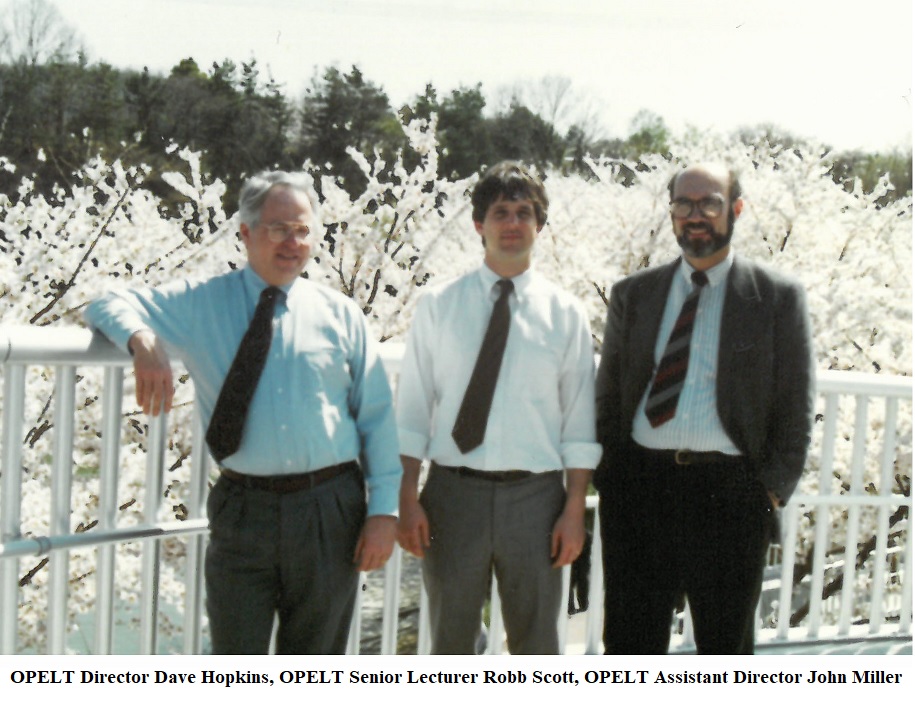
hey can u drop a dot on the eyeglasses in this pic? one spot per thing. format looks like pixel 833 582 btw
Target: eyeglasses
pixel 710 207
pixel 280 232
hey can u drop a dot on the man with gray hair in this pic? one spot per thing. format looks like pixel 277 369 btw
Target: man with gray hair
pixel 299 419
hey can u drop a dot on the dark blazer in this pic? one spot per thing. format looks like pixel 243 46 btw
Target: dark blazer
pixel 766 377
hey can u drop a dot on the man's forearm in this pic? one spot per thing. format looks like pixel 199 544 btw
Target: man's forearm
pixel 409 484
pixel 577 480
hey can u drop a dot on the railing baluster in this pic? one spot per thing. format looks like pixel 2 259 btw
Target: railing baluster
pixel 11 502
pixel 61 492
pixel 594 631
pixel 789 551
pixel 879 576
pixel 496 635
pixel 155 467
pixel 391 602
pixel 196 544
pixel 849 570
pixel 355 628
pixel 424 638
pixel 562 622
pixel 113 396
pixel 905 611
pixel 821 534
pixel 688 641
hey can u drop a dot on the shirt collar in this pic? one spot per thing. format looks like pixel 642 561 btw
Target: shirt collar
pixel 254 285
pixel 716 275
pixel 522 282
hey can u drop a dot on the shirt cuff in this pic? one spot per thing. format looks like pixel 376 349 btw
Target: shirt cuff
pixel 412 444
pixel 383 500
pixel 581 454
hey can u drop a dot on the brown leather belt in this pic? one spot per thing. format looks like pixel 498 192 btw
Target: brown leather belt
pixel 289 483
pixel 492 476
pixel 684 457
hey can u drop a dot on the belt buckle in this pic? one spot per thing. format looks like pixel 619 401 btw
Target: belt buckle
pixel 682 457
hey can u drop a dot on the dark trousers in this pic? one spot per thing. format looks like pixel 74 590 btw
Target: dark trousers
pixel 479 527
pixel 283 554
pixel 669 531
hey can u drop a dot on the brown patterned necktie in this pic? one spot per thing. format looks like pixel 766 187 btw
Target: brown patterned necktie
pixel 470 425
pixel 661 405
pixel 228 421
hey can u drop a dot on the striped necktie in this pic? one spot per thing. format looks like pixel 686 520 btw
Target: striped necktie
pixel 661 405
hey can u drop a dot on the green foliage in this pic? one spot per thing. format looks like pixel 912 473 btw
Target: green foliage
pixel 853 169
pixel 57 111
pixel 521 134
pixel 870 167
pixel 469 140
pixel 648 135
pixel 342 111
pixel 58 115
pixel 465 141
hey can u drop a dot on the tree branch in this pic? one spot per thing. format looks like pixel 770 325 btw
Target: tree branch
pixel 62 290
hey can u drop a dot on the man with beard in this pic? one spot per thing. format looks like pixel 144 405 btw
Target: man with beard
pixel 704 410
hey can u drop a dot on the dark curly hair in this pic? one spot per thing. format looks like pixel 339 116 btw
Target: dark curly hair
pixel 510 181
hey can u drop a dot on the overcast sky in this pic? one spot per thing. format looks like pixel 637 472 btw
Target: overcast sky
pixel 839 71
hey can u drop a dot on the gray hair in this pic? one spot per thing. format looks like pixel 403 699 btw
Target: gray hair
pixel 256 188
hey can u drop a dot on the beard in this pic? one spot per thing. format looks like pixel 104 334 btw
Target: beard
pixel 704 247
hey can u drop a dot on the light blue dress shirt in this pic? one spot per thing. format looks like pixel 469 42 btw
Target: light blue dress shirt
pixel 696 425
pixel 323 397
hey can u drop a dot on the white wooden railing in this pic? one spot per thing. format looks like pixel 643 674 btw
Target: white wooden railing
pixel 878 445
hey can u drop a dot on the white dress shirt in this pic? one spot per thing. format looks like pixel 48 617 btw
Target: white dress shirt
pixel 542 415
pixel 696 425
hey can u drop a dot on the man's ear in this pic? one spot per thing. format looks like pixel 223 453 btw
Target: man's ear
pixel 245 233
pixel 479 226
pixel 738 207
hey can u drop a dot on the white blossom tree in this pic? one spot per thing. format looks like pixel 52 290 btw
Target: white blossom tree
pixel 411 227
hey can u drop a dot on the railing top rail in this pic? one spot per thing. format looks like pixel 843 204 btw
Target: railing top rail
pixel 75 345
pixel 58 345
pixel 851 382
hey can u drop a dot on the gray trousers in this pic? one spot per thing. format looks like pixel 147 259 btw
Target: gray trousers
pixel 479 527
pixel 287 555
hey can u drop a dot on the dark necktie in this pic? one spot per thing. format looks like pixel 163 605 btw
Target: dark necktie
pixel 661 405
pixel 228 421
pixel 470 425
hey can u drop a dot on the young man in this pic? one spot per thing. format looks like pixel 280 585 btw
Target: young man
pixel 292 391
pixel 496 391
pixel 704 411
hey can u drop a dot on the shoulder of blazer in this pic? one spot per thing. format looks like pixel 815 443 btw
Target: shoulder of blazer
pixel 638 301
pixel 754 281
pixel 654 278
